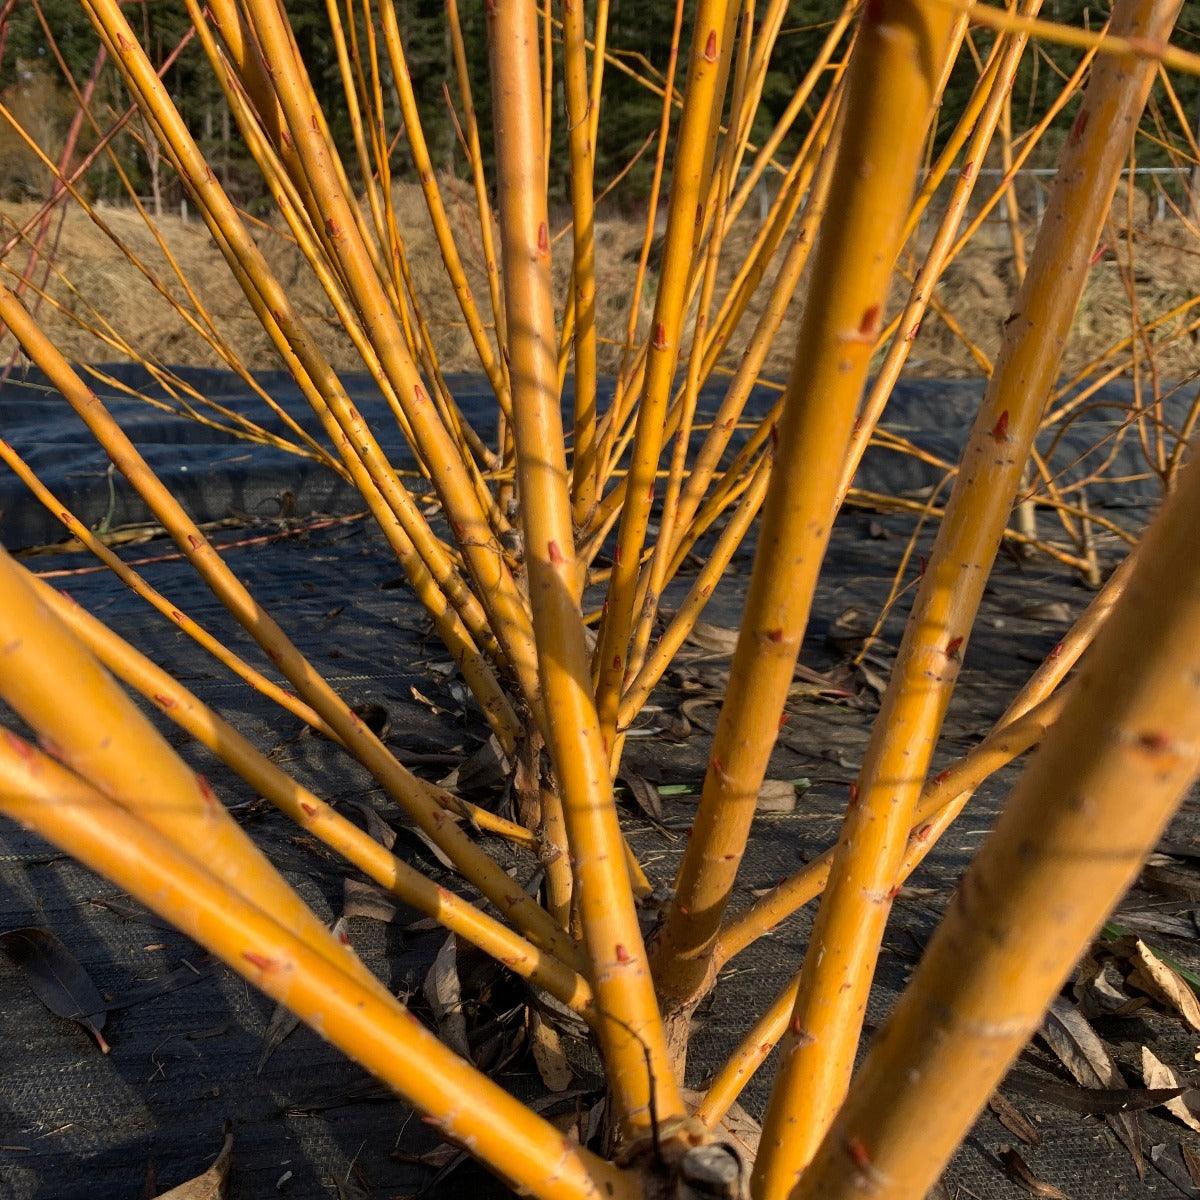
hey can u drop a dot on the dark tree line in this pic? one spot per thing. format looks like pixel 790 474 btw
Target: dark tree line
pixel 639 31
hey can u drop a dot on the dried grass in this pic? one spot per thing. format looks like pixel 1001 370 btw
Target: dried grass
pixel 978 289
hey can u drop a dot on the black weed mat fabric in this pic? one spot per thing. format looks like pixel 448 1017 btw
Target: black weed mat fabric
pixel 216 474
pixel 187 1063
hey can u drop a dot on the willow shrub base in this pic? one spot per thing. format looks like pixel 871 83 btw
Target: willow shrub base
pixel 312 1112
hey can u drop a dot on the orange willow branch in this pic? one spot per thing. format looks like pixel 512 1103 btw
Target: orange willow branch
pixel 609 429
pixel 102 735
pixel 367 1024
pixel 417 797
pixel 1130 728
pixel 360 451
pixel 1008 52
pixel 653 575
pixel 312 813
pixel 138 584
pixel 437 211
pixel 794 107
pixel 475 154
pixel 1035 708
pixel 844 945
pixel 482 553
pixel 1132 49
pixel 892 73
pixel 579 132
pixel 630 1027
pixel 708 70
pixel 940 804
pixel 749 276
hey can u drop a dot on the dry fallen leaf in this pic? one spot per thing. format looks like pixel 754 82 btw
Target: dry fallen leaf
pixel 282 1025
pixel 377 827
pixel 1079 1048
pixel 1170 877
pixel 548 1054
pixel 738 1128
pixel 1018 1171
pixel 644 793
pixel 718 641
pixel 849 630
pixel 1099 987
pixel 776 796
pixel 1191 1160
pixel 361 899
pixel 1158 1075
pixel 443 993
pixel 57 979
pixel 1162 982
pixel 212 1184
pixel 1087 1101
pixel 1014 1120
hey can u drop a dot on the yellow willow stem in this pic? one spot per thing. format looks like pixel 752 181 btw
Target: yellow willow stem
pixel 1056 415
pixel 1028 145
pixel 632 375
pixel 437 209
pixel 728 490
pixel 424 559
pixel 314 449
pixel 742 113
pixel 950 789
pixel 966 123
pixel 1131 728
pixel 185 401
pixel 1009 52
pixel 733 403
pixel 413 794
pixel 609 425
pixel 733 307
pixel 556 858
pixel 99 733
pixel 940 805
pixel 247 53
pixel 321 124
pixel 290 202
pixel 208 330
pixel 1012 208
pixel 890 84
pixel 1034 710
pixel 1132 50
pixel 367 1024
pixel 426 351
pixel 137 584
pixel 617 59
pixel 354 113
pixel 752 1051
pixel 708 70
pixel 688 613
pixel 313 814
pixel 630 1030
pixel 345 427
pixel 380 149
pixel 794 107
pixel 496 588
pixel 839 964
pixel 770 235
pixel 654 574
pixel 483 203
pixel 583 266
pixel 378 121
pixel 547 89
